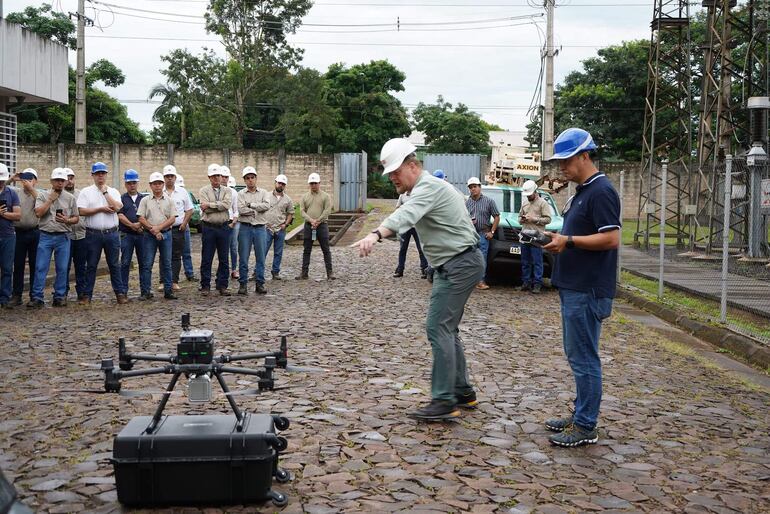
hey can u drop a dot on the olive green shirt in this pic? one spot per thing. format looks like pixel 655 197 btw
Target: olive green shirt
pixel 79 229
pixel 437 210
pixel 316 206
pixel 253 206
pixel 538 213
pixel 156 211
pixel 219 204
pixel 65 202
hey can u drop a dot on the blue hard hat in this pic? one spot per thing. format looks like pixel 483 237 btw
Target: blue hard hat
pixel 439 174
pixel 98 166
pixel 572 142
pixel 130 176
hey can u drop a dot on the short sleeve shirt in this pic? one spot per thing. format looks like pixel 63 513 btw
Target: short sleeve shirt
pixel 481 211
pixel 182 203
pixel 91 198
pixel 280 209
pixel 594 208
pixel 156 210
pixel 11 201
pixel 65 202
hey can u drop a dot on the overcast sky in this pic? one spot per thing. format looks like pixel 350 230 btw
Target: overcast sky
pixel 492 66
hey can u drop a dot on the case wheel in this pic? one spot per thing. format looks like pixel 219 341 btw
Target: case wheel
pixel 280 444
pixel 281 423
pixel 282 476
pixel 279 499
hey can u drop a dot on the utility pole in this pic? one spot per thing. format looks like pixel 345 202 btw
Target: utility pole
pixel 548 115
pixel 80 86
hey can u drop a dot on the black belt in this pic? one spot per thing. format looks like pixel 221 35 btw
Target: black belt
pixel 105 231
pixel 164 231
pixel 254 225
pixel 25 229
pixel 215 225
pixel 54 233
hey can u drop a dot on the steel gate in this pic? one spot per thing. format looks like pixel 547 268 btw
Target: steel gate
pixel 350 181
pixel 8 143
pixel 459 167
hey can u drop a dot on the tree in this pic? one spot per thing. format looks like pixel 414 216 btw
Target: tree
pixel 47 23
pixel 451 131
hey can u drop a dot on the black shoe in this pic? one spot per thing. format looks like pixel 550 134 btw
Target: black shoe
pixel 170 296
pixel 260 288
pixel 558 424
pixel 276 276
pixel 59 302
pixel 536 289
pixel 436 410
pixel 525 287
pixel 330 275
pixel 146 296
pixel 424 273
pixel 224 292
pixel 467 400
pixel 192 278
pixel 205 291
pixel 574 435
pixel 302 276
pixel 398 274
pixel 35 304
pixel 15 301
pixel 242 290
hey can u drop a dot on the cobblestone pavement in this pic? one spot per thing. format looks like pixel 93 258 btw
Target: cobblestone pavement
pixel 677 433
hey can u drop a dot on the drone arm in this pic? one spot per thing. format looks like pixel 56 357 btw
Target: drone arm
pixel 245 356
pixel 240 371
pixel 142 372
pixel 148 357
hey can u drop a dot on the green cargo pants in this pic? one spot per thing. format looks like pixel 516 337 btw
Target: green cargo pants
pixel 453 283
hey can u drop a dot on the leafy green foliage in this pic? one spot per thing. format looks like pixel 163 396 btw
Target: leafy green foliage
pixel 47 23
pixel 451 131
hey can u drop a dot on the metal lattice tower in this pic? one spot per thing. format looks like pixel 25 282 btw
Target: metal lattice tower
pixel 667 124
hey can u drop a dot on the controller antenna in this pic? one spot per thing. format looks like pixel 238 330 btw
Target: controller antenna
pixel 186 321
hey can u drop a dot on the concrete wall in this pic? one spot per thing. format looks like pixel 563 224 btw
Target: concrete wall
pixel 191 164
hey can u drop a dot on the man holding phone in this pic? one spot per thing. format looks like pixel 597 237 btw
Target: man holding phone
pixel 10 211
pixel 57 211
pixel 535 214
pixel 27 234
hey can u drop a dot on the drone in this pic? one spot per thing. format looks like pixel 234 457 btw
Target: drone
pixel 209 446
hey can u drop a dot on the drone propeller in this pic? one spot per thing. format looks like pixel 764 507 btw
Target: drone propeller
pixel 90 365
pixel 302 369
pixel 256 391
pixel 124 392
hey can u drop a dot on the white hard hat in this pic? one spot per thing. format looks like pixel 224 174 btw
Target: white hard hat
pixel 214 169
pixel 169 169
pixel 282 179
pixel 224 171
pixel 231 182
pixel 69 172
pixel 30 170
pixel 248 170
pixel 155 177
pixel 313 177
pixel 4 175
pixel 394 152
pixel 528 188
pixel 58 173
pixel 474 180
pixel 180 180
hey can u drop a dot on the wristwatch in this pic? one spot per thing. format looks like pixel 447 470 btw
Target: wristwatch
pixel 570 242
pixel 379 234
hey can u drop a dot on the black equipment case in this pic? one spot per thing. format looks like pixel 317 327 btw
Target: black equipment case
pixel 199 460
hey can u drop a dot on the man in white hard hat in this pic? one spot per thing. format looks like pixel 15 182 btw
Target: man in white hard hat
pixel 535 214
pixel 278 216
pixel 585 273
pixel 315 206
pixel 229 181
pixel 10 211
pixel 77 243
pixel 27 233
pixel 482 208
pixel 157 214
pixel 451 243
pixel 187 249
pixel 253 203
pixel 216 201
pixel 58 212
pixel 181 228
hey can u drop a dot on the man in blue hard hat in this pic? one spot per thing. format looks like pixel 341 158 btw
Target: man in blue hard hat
pixel 99 205
pixel 131 230
pixel 585 274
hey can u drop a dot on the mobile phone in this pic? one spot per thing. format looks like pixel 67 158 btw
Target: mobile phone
pixel 59 211
pixel 2 203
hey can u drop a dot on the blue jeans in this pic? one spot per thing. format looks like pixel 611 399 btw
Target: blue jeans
pixel 128 244
pixel 405 247
pixel 110 243
pixel 187 255
pixel 215 240
pixel 248 238
pixel 78 258
pixel 581 317
pixel 531 264
pixel 151 245
pixel 7 249
pixel 276 240
pixel 59 246
pixel 25 252
pixel 484 247
pixel 235 246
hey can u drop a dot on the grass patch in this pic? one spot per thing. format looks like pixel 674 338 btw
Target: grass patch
pixel 701 309
pixel 296 221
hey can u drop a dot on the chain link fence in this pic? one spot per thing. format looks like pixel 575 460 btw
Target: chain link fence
pixel 700 241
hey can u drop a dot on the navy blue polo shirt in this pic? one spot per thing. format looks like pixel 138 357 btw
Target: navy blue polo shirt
pixel 594 208
pixel 11 201
pixel 129 210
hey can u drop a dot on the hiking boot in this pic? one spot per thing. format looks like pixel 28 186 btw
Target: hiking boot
pixel 15 301
pixel 424 273
pixel 204 291
pixel 398 274
pixel 276 276
pixel 330 275
pixel 121 299
pixel 436 410
pixel 191 278
pixel 536 289
pixel 525 287
pixel 467 400
pixel 482 285
pixel 146 296
pixel 35 304
pixel 175 287
pixel 84 300
pixel 170 296
pixel 5 306
pixel 59 302
pixel 260 288
pixel 242 290
pixel 224 292
pixel 574 435
pixel 302 276
pixel 558 424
